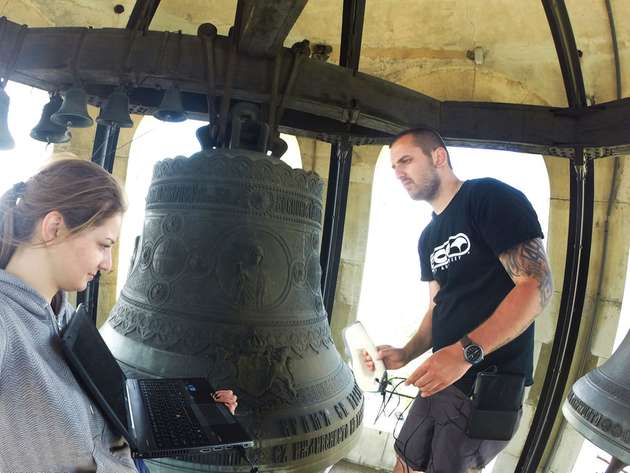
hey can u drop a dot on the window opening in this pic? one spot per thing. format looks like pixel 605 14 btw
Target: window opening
pixel 28 155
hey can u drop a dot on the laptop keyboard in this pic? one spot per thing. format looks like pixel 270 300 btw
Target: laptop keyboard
pixel 173 422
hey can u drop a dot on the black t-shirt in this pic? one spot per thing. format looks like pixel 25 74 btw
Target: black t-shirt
pixel 459 249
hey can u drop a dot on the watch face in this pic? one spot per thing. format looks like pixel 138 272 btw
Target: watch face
pixel 473 353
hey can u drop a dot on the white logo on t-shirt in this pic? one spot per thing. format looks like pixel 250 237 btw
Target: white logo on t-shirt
pixel 451 250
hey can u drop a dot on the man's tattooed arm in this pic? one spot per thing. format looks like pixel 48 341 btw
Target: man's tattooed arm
pixel 528 260
pixel 526 263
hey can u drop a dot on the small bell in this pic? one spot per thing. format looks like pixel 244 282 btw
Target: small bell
pixel 73 112
pixel 6 140
pixel 115 111
pixel 46 130
pixel 598 405
pixel 171 108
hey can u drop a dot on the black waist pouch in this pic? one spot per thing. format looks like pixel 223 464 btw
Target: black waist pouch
pixel 496 406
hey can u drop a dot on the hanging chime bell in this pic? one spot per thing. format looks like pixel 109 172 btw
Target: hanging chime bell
pixel 73 112
pixel 171 108
pixel 46 130
pixel 115 111
pixel 6 140
pixel 598 405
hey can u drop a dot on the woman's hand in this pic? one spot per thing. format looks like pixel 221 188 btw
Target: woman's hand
pixel 227 397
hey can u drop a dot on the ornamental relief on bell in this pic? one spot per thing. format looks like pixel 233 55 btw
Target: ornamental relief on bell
pixel 253 268
pixel 238 274
pixel 260 200
pixel 242 168
pixel 189 336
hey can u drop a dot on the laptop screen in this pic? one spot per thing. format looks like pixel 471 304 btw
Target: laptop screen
pixel 90 358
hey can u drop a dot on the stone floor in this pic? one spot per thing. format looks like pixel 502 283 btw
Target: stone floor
pixel 347 467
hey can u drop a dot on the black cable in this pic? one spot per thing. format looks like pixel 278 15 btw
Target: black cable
pixel 386 402
pixel 404 449
pixel 402 395
pixel 254 468
pixel 395 407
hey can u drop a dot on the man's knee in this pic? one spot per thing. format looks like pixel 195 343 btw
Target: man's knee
pixel 401 467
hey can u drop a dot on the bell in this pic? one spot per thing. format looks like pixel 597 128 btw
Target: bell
pixel 116 110
pixel 598 405
pixel 226 284
pixel 73 112
pixel 46 130
pixel 6 140
pixel 171 108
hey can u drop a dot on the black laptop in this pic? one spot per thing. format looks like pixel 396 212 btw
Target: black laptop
pixel 158 417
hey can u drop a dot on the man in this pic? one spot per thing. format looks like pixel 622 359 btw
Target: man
pixel 488 276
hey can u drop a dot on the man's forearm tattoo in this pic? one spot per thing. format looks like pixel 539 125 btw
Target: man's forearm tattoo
pixel 529 259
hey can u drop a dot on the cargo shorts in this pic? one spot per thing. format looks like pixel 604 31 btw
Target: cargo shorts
pixel 433 438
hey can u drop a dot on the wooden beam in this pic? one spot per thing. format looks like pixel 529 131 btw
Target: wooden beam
pixel 321 108
pixel 265 24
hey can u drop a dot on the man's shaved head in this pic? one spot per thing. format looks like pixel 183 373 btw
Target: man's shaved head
pixel 426 139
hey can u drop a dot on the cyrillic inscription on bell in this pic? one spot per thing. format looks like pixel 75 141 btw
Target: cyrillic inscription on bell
pixel 598 405
pixel 226 284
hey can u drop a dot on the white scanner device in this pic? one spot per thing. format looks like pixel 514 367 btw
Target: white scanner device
pixel 357 340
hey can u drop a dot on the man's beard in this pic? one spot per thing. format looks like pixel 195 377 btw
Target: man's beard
pixel 427 189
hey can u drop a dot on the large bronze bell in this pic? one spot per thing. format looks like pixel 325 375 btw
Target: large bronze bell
pixel 598 406
pixel 226 284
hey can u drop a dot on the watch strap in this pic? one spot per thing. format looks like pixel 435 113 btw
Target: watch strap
pixel 465 341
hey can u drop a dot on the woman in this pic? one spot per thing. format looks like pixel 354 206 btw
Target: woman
pixel 56 233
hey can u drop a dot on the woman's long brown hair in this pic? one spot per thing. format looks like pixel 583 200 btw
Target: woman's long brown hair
pixel 81 191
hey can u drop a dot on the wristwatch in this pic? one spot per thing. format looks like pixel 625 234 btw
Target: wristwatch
pixel 473 353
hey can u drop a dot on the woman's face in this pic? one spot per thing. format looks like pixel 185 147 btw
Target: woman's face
pixel 78 258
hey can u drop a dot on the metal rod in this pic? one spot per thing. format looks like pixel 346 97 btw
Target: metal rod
pixel 110 148
pixel 334 220
pixel 615 45
pixel 340 162
pixel 571 305
pixel 352 33
pixel 568 57
pixel 295 66
pixel 142 14
pixel 103 154
pixel 615 465
pixel 207 44
pixel 578 251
